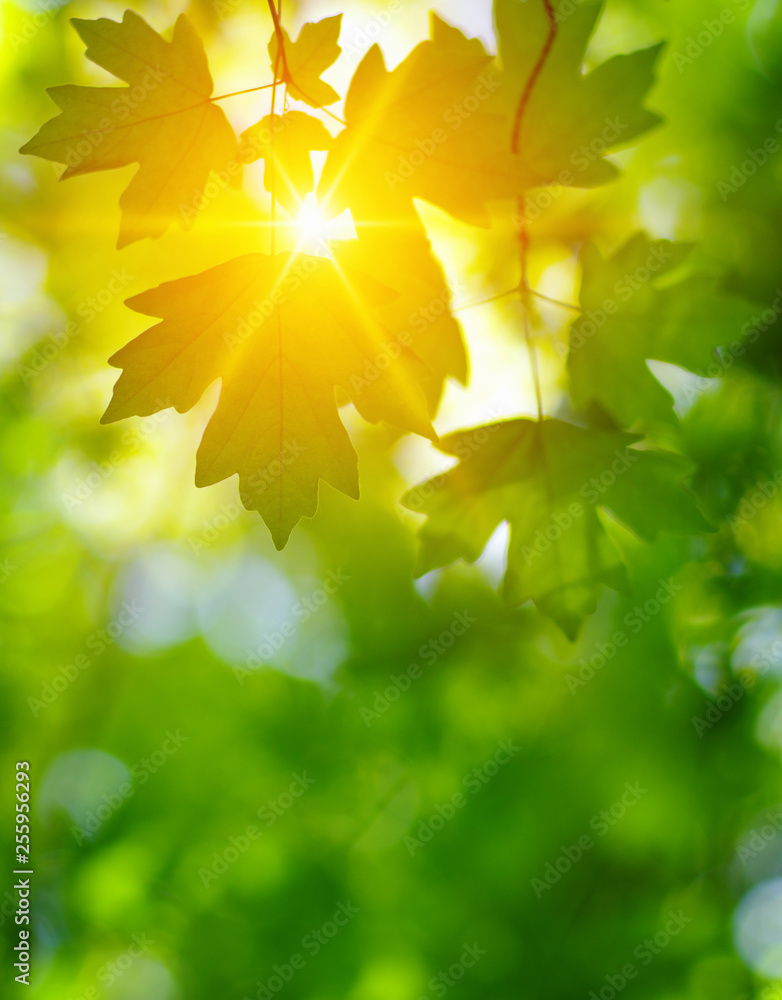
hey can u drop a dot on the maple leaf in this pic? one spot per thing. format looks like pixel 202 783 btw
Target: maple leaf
pixel 626 320
pixel 306 59
pixel 422 131
pixel 419 316
pixel 571 118
pixel 163 120
pixel 285 143
pixel 547 480
pixel 281 332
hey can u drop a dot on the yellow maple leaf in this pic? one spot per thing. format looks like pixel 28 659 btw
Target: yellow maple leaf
pixel 282 332
pixel 306 59
pixel 163 120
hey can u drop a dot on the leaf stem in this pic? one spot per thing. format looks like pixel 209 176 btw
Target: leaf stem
pixel 555 302
pixel 525 303
pixel 236 93
pixel 273 186
pixel 514 291
pixel 537 69
pixel 523 234
pixel 492 298
pixel 275 13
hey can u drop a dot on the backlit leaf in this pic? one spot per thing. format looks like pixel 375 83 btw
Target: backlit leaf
pixel 423 130
pixel 163 120
pixel 572 118
pixel 627 319
pixel 547 480
pixel 281 332
pixel 285 142
pixel 307 59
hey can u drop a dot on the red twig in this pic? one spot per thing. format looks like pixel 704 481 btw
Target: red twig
pixel 537 69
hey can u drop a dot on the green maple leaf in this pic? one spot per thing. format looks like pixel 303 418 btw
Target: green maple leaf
pixel 422 131
pixel 307 59
pixel 285 143
pixel 547 480
pixel 627 319
pixel 281 332
pixel 163 120
pixel 572 117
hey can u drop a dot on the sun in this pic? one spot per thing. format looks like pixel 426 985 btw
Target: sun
pixel 316 230
pixel 311 223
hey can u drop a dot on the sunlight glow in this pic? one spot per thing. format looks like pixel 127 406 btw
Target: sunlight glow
pixel 315 229
pixel 311 222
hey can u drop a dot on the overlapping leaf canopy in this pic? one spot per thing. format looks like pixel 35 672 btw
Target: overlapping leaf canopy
pixel 471 134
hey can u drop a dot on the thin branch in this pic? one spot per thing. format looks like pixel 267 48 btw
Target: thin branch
pixel 331 114
pixel 554 302
pixel 513 291
pixel 525 295
pixel 271 164
pixel 236 93
pixel 280 41
pixel 286 73
pixel 523 234
pixel 533 77
pixel 485 302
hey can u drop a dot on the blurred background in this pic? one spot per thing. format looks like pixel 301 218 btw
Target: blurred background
pixel 392 798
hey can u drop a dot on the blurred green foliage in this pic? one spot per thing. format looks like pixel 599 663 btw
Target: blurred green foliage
pixel 85 534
